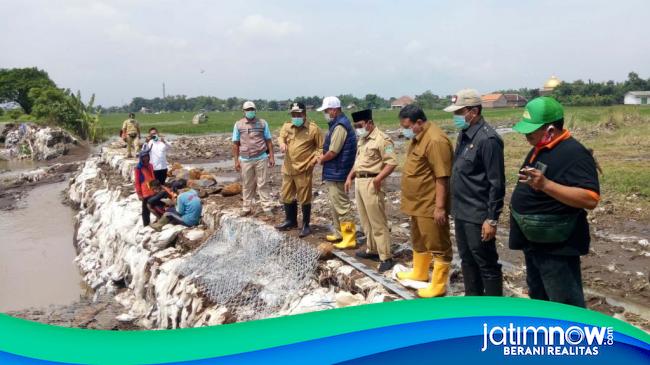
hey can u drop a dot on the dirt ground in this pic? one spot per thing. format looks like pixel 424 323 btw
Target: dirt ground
pixel 18 177
pixel 615 272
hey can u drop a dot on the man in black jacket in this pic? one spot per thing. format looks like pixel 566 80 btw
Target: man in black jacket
pixel 477 190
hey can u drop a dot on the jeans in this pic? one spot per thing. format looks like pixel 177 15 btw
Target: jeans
pixel 554 278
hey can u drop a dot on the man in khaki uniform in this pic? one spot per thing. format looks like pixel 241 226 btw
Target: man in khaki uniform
pixel 252 149
pixel 339 151
pixel 131 134
pixel 301 141
pixel 425 197
pixel 375 161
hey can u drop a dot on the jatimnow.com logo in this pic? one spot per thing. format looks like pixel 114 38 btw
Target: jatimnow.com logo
pixel 574 340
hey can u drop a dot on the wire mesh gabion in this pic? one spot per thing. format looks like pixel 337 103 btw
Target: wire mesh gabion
pixel 250 268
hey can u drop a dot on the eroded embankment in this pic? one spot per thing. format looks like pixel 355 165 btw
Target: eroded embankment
pixel 228 269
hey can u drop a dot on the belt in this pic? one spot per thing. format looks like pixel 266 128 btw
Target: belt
pixel 365 174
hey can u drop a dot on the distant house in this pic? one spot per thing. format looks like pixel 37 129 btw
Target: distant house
pixel 637 98
pixel 496 100
pixel 145 110
pixel 401 102
pixel 515 100
pixel 351 106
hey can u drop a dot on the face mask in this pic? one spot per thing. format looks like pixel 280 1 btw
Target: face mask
pixel 361 132
pixel 297 121
pixel 155 137
pixel 460 122
pixel 546 139
pixel 327 117
pixel 250 114
pixel 408 133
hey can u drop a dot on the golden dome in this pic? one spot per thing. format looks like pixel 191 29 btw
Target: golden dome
pixel 552 83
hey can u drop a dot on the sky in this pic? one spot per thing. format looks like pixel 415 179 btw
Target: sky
pixel 120 49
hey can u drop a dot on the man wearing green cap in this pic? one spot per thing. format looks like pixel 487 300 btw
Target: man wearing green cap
pixel 478 185
pixel 557 182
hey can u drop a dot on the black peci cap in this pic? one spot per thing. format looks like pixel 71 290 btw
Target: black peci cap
pixel 362 115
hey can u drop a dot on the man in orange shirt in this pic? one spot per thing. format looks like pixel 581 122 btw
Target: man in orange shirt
pixel 143 175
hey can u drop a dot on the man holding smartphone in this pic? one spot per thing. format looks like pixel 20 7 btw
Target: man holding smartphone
pixel 557 182
pixel 478 184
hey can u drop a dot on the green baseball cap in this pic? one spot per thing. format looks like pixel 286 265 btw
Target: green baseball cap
pixel 539 111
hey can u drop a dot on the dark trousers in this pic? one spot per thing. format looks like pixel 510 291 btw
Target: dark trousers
pixel 161 175
pixel 554 278
pixel 155 205
pixel 479 260
pixel 145 212
pixel 174 217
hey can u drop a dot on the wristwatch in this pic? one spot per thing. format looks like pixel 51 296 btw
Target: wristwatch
pixel 492 222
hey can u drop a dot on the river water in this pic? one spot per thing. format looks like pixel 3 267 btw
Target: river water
pixel 36 252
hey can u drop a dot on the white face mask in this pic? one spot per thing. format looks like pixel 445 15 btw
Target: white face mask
pixel 361 132
pixel 327 117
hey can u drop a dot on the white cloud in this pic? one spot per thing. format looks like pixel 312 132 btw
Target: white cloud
pixel 124 33
pixel 90 8
pixel 258 25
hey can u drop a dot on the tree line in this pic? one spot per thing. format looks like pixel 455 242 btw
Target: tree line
pixel 177 103
pixel 589 93
pixel 39 98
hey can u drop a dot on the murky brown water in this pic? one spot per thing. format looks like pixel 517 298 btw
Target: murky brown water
pixel 36 252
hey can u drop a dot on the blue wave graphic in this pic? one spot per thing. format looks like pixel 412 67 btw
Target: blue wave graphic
pixel 457 339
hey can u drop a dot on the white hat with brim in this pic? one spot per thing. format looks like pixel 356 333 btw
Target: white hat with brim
pixel 330 102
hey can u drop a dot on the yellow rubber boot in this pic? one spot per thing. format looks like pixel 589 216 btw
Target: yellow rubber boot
pixel 421 262
pixel 332 238
pixel 438 286
pixel 349 233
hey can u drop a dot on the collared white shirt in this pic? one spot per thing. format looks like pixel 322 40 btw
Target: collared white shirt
pixel 158 154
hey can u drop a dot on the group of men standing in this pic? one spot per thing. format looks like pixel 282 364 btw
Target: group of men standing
pixel 556 183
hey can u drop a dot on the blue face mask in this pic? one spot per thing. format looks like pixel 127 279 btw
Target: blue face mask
pixel 297 121
pixel 250 114
pixel 460 122
pixel 408 133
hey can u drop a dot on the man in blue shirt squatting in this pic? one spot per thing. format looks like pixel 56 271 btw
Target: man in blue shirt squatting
pixel 188 207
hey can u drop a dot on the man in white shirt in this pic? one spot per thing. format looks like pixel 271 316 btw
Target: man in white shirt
pixel 158 147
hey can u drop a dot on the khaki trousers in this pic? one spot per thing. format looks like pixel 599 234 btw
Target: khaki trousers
pixel 254 176
pixel 297 187
pixel 428 236
pixel 372 213
pixel 340 205
pixel 132 143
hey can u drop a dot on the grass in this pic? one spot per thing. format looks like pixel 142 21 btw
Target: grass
pixel 620 138
pixel 619 135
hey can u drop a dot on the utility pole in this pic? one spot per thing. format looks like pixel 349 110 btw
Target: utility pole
pixel 164 96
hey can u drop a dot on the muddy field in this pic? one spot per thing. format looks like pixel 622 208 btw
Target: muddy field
pixel 615 271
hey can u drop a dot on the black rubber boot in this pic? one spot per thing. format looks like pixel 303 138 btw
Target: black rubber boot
pixel 472 280
pixel 493 287
pixel 306 217
pixel 291 217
